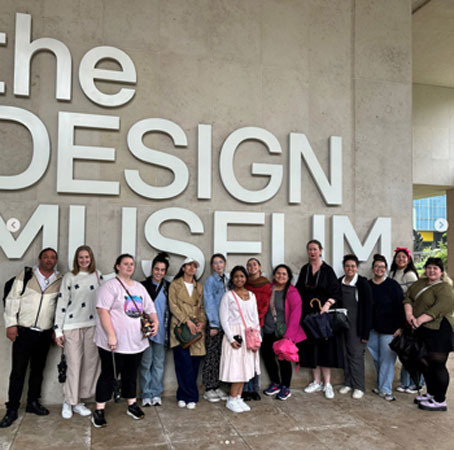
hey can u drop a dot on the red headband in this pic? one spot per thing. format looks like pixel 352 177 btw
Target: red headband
pixel 403 249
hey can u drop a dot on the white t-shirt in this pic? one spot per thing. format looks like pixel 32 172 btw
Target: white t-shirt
pixel 190 288
pixel 124 315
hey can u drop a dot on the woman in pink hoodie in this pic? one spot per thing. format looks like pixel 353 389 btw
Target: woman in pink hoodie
pixel 282 320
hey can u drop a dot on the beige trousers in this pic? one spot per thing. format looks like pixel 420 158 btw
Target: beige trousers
pixel 83 364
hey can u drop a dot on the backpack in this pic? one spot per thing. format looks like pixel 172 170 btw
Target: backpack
pixel 28 274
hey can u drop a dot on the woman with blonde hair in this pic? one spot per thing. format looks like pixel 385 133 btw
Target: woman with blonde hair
pixel 75 321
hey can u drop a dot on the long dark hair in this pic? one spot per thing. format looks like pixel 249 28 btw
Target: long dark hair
pixel 410 266
pixel 181 273
pixel 232 273
pixel 290 276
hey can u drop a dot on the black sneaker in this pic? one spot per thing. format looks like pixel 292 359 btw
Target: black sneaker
pixel 97 419
pixel 135 412
pixel 10 417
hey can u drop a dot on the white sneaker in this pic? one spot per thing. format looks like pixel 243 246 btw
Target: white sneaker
pixel 181 404
pixel 146 402
pixel 82 410
pixel 211 396
pixel 357 393
pixel 234 405
pixel 190 405
pixel 221 394
pixel 66 411
pixel 156 401
pixel 243 404
pixel 313 387
pixel 345 390
pixel 328 390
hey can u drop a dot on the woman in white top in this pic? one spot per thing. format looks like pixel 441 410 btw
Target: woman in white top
pixel 238 364
pixel 75 321
pixel 403 271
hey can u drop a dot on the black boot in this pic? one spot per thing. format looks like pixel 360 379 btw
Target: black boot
pixel 36 408
pixel 10 417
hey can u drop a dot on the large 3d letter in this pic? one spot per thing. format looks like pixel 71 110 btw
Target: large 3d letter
pixel 331 191
pixel 68 152
pixel 157 240
pixel 222 220
pixel 45 217
pixel 342 230
pixel 174 164
pixel 40 149
pixel 273 171
pixel 88 73
pixel 24 50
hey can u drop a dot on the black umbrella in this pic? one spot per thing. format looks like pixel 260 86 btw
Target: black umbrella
pixel 318 325
pixel 62 367
pixel 412 353
pixel 116 382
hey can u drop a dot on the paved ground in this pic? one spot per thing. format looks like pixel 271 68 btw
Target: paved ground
pixel 305 421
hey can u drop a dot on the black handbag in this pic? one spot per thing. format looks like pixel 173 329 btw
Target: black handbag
pixel 339 320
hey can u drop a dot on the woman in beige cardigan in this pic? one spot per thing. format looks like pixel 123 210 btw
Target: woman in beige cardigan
pixel 186 306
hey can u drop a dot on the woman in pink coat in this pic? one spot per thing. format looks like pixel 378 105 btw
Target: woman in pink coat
pixel 282 320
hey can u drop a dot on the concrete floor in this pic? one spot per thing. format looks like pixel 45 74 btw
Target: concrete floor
pixel 305 421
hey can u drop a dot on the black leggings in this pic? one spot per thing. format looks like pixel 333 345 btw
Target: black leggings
pixel 273 365
pixel 126 365
pixel 436 375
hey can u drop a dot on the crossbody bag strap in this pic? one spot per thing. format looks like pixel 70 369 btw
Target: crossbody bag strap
pixel 130 296
pixel 239 308
pixel 273 305
pixel 425 289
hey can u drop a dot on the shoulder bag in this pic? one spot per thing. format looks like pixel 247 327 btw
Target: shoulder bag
pixel 253 340
pixel 144 317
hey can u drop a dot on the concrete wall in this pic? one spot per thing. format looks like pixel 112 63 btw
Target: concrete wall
pixel 433 135
pixel 319 67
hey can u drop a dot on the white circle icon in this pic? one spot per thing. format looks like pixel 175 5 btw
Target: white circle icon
pixel 13 225
pixel 441 225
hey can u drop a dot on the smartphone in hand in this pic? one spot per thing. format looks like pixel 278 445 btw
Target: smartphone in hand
pixel 238 338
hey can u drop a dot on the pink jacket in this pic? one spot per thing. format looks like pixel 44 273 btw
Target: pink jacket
pixel 293 309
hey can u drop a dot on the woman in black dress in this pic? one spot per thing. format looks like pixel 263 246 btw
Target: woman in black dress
pixel 318 280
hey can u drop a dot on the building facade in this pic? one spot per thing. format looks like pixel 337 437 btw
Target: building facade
pixel 241 127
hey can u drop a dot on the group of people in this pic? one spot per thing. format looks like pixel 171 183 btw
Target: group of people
pixel 112 331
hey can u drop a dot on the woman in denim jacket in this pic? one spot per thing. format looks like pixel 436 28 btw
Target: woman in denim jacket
pixel 213 290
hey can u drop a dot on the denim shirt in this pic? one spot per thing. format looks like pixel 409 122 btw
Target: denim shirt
pixel 213 290
pixel 160 304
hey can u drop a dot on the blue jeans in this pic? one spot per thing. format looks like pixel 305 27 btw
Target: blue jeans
pixel 384 360
pixel 151 370
pixel 405 379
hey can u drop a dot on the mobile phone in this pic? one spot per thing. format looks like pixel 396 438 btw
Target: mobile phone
pixel 238 338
